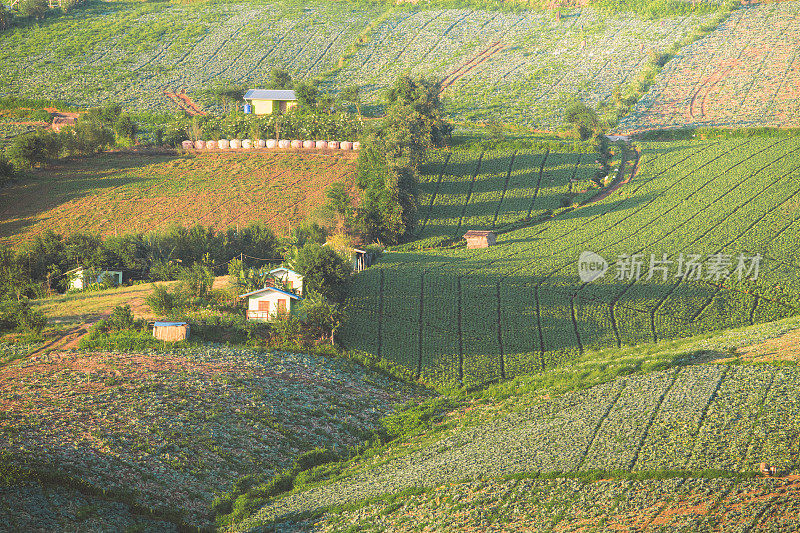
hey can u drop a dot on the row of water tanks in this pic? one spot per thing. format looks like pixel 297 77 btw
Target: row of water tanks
pixel 224 144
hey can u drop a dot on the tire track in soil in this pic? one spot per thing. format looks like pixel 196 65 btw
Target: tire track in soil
pixel 416 34
pixel 472 64
pixel 325 52
pixel 442 37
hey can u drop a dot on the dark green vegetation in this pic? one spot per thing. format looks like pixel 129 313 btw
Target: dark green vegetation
pixel 474 316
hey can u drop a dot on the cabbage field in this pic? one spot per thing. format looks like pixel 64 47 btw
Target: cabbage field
pixel 744 74
pixel 701 418
pixel 530 63
pixel 702 238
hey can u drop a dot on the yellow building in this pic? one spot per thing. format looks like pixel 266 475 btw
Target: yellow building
pixel 268 101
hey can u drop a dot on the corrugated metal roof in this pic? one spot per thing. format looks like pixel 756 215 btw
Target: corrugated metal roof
pixel 265 289
pixel 270 94
pixel 284 269
pixel 168 324
pixel 478 233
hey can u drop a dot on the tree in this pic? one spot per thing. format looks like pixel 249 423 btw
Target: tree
pixel 126 127
pixel 307 96
pixel 279 79
pixel 322 318
pixel 584 120
pixel 92 135
pixel 34 149
pixel 338 201
pixel 352 95
pixel 324 271
pixel 6 17
pixel 36 9
pixel 196 281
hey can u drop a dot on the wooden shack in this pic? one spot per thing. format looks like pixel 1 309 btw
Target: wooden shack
pixel 480 238
pixel 171 331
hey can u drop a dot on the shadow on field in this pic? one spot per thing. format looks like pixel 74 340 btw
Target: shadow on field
pixel 69 179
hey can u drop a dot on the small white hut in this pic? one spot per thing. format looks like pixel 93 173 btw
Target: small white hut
pixel 80 278
pixel 269 302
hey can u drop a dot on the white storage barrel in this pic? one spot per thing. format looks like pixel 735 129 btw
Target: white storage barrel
pixel 346 145
pixel 223 144
pixel 199 144
pixel 272 143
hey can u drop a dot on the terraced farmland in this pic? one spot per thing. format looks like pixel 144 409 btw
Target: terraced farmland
pixel 122 193
pixel 745 73
pixel 519 68
pixel 471 316
pixel 706 417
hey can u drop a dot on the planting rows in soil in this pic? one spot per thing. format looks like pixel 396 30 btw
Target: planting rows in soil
pixel 472 316
pixel 746 73
pixel 117 193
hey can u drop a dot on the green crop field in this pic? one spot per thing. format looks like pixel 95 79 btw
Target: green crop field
pixel 716 208
pixel 498 66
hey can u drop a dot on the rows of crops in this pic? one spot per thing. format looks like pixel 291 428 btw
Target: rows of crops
pixel 704 417
pixel 714 208
pixel 115 193
pixel 459 191
pixel 745 73
pixel 129 52
pixel 539 61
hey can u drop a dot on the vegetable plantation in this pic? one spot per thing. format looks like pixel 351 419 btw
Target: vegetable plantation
pixel 746 73
pixel 519 68
pixel 702 238
pixel 704 418
pixel 165 432
pixel 500 66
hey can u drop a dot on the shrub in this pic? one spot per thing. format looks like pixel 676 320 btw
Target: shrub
pixel 34 149
pixel 18 315
pixel 163 302
pixel 121 318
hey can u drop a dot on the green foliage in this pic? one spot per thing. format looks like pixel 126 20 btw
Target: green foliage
pixel 196 281
pixel 322 318
pixel 20 316
pixel 164 302
pixel 126 127
pixel 36 9
pixel 583 119
pixel 415 418
pixel 34 149
pixel 324 271
pixel 120 319
pixel 279 79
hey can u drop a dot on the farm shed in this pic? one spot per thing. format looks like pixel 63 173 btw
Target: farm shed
pixel 290 279
pixel 267 101
pixel 80 278
pixel 171 331
pixel 268 302
pixel 359 259
pixel 480 238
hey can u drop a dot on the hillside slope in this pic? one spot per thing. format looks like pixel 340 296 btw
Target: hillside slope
pixel 707 417
pixel 166 432
pixel 746 73
pixel 499 65
pixel 471 316
pixel 119 193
